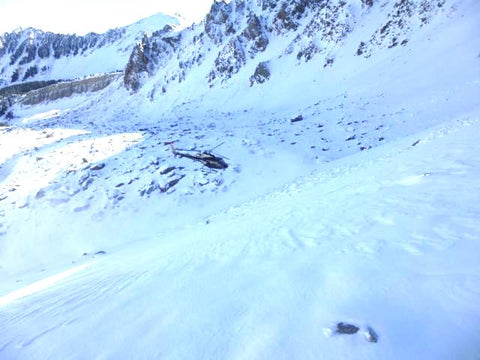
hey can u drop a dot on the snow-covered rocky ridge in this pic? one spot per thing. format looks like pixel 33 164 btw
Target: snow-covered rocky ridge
pixel 351 195
pixel 31 55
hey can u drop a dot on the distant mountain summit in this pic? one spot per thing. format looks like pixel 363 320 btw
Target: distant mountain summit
pixel 31 54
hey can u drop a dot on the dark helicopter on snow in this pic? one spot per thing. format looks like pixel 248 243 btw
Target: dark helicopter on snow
pixel 207 158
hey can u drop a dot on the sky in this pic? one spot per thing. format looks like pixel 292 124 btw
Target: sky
pixel 83 16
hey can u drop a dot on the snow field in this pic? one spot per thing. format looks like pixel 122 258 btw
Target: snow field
pixel 378 240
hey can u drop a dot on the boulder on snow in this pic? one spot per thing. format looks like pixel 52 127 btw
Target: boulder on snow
pixel 98 167
pixel 371 335
pixel 344 328
pixel 262 73
pixel 296 119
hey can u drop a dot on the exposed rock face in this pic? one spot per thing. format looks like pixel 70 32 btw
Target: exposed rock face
pixel 5 103
pixel 234 35
pixel 26 46
pixel 262 73
pixel 229 60
pixel 218 22
pixel 136 67
pixel 148 55
pixel 404 17
pixel 254 35
pixel 67 89
pixel 237 34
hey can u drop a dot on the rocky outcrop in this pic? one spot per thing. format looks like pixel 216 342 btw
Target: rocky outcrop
pixel 238 31
pixel 261 74
pixel 148 55
pixel 403 18
pixel 67 89
pixel 234 35
pixel 229 60
pixel 5 103
pixel 136 68
pixel 218 22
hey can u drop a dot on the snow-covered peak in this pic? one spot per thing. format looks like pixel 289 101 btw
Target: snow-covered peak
pixel 31 54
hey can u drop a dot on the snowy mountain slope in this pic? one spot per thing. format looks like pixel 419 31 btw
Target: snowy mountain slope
pixel 293 41
pixel 351 193
pixel 31 54
pixel 393 94
pixel 385 239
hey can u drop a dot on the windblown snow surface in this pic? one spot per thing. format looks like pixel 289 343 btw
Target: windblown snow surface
pixel 366 212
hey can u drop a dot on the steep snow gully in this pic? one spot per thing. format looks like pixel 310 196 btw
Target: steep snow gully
pixel 345 226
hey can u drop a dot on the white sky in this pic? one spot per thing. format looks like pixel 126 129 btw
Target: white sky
pixel 83 16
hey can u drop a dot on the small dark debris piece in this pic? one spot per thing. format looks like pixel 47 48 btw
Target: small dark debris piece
pixel 98 167
pixel 296 119
pixel 173 182
pixel 167 170
pixel 371 335
pixel 344 328
pixel 101 252
pixel 353 137
pixel 119 185
pixel 416 142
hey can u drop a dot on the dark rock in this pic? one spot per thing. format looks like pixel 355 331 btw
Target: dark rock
pixel 15 76
pixel 218 22
pixel 31 72
pixel 137 64
pixel 296 119
pixel 262 73
pixel 87 183
pixel 349 329
pixel 97 167
pixel 328 62
pixel 149 188
pixel 229 61
pixel 361 48
pixel 371 335
pixel 255 34
pixel 167 170
pixel 146 57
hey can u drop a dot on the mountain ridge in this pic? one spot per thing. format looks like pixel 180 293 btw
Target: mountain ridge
pixel 30 54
